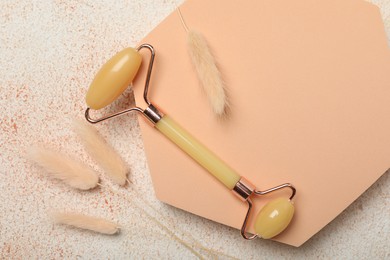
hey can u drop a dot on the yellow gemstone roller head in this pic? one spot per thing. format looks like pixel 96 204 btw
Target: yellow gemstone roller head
pixel 113 78
pixel 274 217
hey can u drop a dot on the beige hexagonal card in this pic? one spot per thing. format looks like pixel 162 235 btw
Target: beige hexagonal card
pixel 309 86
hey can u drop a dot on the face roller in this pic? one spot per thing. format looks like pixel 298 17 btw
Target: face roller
pixel 115 76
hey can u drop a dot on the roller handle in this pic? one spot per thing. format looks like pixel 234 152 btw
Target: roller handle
pixel 200 153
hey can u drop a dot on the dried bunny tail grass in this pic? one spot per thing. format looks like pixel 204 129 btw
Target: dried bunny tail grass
pixel 102 153
pixel 206 68
pixel 62 167
pixel 86 222
pixel 208 72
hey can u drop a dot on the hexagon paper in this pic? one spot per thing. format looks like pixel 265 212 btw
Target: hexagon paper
pixel 309 83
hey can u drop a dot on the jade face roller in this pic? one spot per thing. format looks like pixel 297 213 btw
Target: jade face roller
pixel 115 76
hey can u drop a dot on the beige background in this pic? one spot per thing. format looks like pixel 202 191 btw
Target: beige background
pixel 48 53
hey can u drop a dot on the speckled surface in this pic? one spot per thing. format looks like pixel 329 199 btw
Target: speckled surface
pixel 49 52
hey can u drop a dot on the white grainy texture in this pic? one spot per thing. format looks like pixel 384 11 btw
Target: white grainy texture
pixel 64 168
pixel 95 224
pixel 208 72
pixel 103 154
pixel 50 52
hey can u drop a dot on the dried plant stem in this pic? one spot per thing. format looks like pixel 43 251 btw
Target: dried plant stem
pixel 172 223
pixel 168 231
pixel 195 243
pixel 156 221
pixel 182 19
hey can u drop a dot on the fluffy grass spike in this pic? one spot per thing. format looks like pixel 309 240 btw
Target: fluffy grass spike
pixel 208 72
pixel 206 69
pixel 103 154
pixel 86 222
pixel 61 167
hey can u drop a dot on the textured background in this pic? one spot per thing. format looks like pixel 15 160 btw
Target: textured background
pixel 49 52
